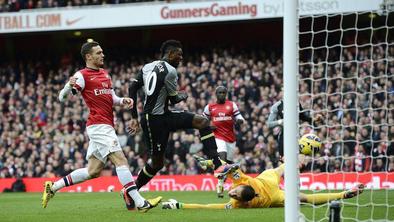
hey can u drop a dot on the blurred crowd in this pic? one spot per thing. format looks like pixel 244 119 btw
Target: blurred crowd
pixel 41 137
pixel 17 5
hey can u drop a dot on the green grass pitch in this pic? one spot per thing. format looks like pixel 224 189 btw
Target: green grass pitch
pixel 97 207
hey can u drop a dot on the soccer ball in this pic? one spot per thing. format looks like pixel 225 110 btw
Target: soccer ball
pixel 309 144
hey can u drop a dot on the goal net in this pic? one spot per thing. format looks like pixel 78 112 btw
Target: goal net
pixel 346 74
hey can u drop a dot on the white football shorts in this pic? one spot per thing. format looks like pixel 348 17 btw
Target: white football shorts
pixel 227 147
pixel 102 141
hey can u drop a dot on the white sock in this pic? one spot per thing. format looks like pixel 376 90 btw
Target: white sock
pixel 77 176
pixel 127 180
pixel 219 186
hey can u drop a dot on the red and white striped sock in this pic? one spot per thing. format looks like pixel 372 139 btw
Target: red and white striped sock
pixel 77 176
pixel 127 180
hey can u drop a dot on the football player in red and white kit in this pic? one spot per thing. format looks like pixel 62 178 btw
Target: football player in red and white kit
pixel 95 85
pixel 224 114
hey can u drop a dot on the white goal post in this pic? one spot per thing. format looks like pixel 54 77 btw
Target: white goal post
pixel 290 108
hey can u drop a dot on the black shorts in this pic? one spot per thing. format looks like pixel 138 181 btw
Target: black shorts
pixel 280 144
pixel 157 128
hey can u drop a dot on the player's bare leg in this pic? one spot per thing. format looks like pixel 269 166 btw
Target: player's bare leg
pixel 95 167
pixel 174 204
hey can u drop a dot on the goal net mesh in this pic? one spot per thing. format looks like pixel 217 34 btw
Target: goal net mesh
pixel 346 74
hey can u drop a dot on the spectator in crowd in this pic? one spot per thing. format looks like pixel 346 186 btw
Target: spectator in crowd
pixel 36 131
pixel 196 146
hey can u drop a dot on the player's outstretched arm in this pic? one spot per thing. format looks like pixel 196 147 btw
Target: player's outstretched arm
pixel 174 204
pixel 204 206
pixel 323 198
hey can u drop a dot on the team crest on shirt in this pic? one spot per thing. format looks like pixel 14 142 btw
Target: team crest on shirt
pixel 105 85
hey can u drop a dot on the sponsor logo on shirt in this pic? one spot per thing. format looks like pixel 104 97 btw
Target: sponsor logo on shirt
pixel 222 117
pixel 98 92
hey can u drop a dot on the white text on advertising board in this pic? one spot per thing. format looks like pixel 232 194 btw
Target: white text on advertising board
pixel 213 10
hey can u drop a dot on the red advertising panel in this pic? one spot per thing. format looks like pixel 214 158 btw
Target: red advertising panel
pixel 308 181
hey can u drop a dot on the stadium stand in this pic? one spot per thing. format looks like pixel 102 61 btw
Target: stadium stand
pixel 40 137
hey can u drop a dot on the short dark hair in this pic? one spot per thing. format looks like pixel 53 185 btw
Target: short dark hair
pixel 169 45
pixel 221 87
pixel 87 47
pixel 247 193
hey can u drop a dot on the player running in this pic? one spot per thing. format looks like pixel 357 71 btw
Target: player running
pixel 95 85
pixel 158 80
pixel 224 114
pixel 260 192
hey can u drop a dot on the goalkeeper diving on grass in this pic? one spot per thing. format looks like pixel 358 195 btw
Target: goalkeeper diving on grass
pixel 262 191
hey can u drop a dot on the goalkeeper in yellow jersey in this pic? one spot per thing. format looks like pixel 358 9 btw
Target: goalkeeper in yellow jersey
pixel 259 192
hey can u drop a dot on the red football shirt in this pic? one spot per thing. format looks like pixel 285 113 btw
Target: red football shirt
pixel 96 86
pixel 223 116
